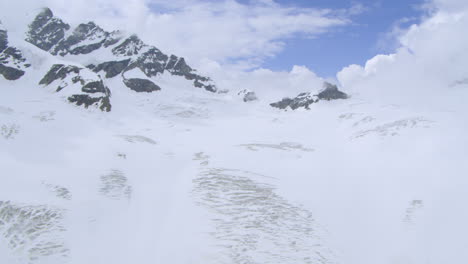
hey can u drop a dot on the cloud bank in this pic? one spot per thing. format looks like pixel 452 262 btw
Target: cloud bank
pixel 431 62
pixel 225 38
pixel 227 31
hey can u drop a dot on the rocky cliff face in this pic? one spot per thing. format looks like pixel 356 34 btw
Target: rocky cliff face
pixel 46 30
pixel 12 62
pixel 85 87
pixel 3 38
pixel 113 55
pixel 124 53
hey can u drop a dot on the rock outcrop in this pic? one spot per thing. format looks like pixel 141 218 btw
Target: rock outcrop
pixel 247 95
pixel 46 31
pixel 83 87
pixel 12 62
pixel 3 38
pixel 331 92
pixel 141 85
pixel 85 39
pixel 51 34
pixel 130 47
pixel 111 68
pixel 304 100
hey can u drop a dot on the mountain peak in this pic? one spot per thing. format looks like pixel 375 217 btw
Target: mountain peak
pixel 86 51
pixel 46 13
pixel 331 92
pixel 130 47
pixel 46 30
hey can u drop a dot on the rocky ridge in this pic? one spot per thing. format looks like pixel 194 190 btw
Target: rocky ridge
pixel 304 100
pixel 90 88
pixel 12 61
pixel 85 83
pixel 90 55
pixel 55 36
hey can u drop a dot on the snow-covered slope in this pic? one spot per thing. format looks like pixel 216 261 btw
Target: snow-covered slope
pixel 345 182
pixel 183 175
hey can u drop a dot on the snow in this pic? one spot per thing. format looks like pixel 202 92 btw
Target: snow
pixel 135 73
pixel 355 166
pixel 186 176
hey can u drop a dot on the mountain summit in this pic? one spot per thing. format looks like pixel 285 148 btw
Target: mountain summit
pixel 90 56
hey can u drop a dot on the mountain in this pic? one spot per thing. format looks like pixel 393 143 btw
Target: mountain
pixel 158 170
pixel 86 59
pixel 90 56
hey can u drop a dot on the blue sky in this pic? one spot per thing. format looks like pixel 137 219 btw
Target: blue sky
pixel 364 38
pixel 212 29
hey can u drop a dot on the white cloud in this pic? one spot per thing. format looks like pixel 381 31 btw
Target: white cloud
pixel 225 31
pixel 447 5
pixel 432 58
pixel 269 85
pixel 222 39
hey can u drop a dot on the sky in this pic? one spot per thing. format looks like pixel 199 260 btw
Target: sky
pixel 368 29
pixel 252 43
pixel 369 34
pixel 322 35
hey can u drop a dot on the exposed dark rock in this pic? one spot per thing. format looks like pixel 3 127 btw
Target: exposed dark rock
pixel 58 71
pixel 130 47
pixel 250 96
pixel 302 100
pixel 171 62
pixel 12 55
pixel 95 87
pixel 48 33
pixel 141 85
pixel 10 73
pixel 283 104
pixel 46 30
pixel 209 87
pixel 54 36
pixel 178 66
pixel 88 33
pixel 86 101
pixel 111 68
pixel 331 92
pixel 70 78
pixel 86 49
pixel 12 61
pixel 113 38
pixel 151 63
pixel 247 96
pixel 78 79
pixel 3 39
